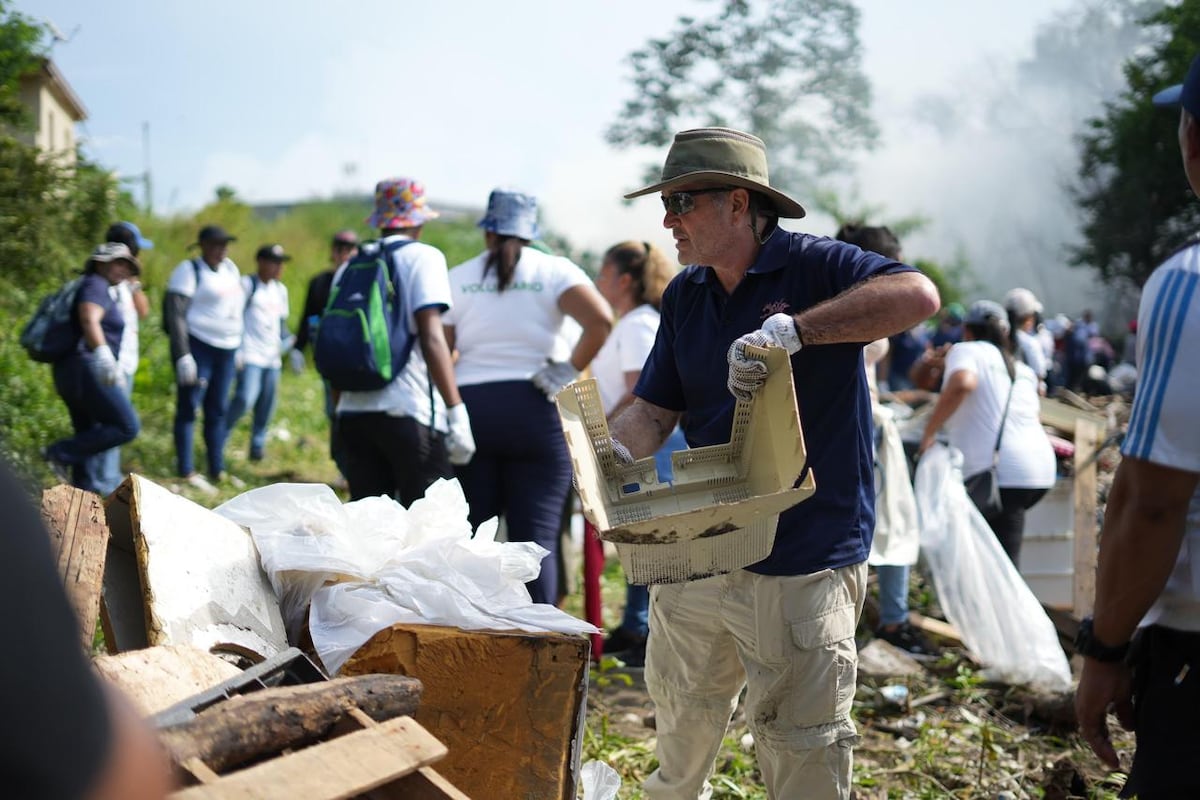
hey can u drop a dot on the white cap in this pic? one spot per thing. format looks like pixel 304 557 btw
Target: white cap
pixel 1022 302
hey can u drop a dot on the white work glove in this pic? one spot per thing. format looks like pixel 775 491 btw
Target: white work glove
pixel 621 452
pixel 748 374
pixel 554 376
pixel 186 373
pixel 296 361
pixel 104 366
pixel 460 443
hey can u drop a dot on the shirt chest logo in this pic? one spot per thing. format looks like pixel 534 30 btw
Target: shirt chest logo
pixel 775 307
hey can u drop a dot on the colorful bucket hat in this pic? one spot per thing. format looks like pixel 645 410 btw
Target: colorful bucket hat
pixel 400 203
pixel 511 213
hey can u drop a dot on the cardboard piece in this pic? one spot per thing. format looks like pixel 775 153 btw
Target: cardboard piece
pixel 721 511
pixel 79 540
pixel 180 574
pixel 509 705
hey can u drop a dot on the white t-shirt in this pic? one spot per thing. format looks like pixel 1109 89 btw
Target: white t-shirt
pixel 1026 457
pixel 1163 425
pixel 507 336
pixel 262 344
pixel 215 314
pixel 625 350
pixel 127 359
pixel 421 271
pixel 1032 353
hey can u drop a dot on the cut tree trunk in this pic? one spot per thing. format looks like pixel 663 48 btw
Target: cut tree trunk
pixel 268 721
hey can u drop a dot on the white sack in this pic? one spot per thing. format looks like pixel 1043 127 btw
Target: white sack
pixel 897 528
pixel 1002 624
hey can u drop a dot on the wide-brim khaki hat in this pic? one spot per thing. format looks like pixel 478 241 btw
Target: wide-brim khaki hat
pixel 721 156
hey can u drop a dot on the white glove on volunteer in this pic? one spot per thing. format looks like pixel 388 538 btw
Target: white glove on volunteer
pixel 186 373
pixel 747 374
pixel 460 442
pixel 296 361
pixel 104 366
pixel 554 376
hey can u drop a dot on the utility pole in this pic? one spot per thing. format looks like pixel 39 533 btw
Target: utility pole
pixel 147 188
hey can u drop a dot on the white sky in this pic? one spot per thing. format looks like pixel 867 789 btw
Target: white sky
pixel 277 99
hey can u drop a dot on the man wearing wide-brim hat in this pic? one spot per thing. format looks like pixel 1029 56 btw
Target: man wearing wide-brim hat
pixel 783 627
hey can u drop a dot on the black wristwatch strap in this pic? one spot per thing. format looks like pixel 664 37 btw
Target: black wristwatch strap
pixel 1086 644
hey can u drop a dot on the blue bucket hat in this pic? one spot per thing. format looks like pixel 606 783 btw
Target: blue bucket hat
pixel 1186 94
pixel 511 213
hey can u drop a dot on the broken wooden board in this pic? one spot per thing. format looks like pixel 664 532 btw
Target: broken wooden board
pixel 159 677
pixel 935 627
pixel 1062 416
pixel 509 705
pixel 344 767
pixel 200 579
pixel 79 540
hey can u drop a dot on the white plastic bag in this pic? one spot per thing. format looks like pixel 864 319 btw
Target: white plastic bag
pixel 391 564
pixel 897 528
pixel 599 781
pixel 982 593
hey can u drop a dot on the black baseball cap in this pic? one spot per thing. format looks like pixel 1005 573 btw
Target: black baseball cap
pixel 1186 94
pixel 272 252
pixel 214 233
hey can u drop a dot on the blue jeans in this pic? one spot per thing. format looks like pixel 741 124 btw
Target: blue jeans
pixel 110 469
pixel 101 416
pixel 214 368
pixel 893 594
pixel 637 598
pixel 255 389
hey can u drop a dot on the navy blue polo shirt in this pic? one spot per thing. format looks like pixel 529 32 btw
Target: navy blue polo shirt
pixel 96 289
pixel 687 372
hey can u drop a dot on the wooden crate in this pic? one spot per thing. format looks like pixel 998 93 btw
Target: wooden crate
pixel 509 705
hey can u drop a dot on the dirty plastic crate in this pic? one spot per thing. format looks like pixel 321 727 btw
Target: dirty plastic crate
pixel 720 512
pixel 1048 546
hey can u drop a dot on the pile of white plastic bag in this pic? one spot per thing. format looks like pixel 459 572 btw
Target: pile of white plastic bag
pixel 980 590
pixel 357 568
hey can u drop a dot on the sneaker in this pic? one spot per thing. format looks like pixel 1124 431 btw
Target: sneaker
pixel 61 469
pixel 199 482
pixel 620 640
pixel 909 639
pixel 256 455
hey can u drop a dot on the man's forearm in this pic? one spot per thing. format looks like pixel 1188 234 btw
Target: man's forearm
pixel 871 310
pixel 643 427
pixel 1139 544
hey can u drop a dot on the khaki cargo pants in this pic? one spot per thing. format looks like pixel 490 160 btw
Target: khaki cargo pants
pixel 790 641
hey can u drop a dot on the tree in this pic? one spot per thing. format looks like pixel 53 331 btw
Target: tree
pixel 789 71
pixel 1131 191
pixel 19 54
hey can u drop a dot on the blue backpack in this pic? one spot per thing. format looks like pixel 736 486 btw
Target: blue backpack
pixel 363 340
pixel 51 335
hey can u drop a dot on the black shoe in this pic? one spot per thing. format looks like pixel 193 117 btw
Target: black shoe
pixel 619 640
pixel 61 469
pixel 909 639
pixel 256 455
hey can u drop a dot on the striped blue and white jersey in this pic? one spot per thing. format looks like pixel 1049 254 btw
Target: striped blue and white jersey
pixel 1164 426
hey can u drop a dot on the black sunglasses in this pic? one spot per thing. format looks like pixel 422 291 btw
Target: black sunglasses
pixel 681 203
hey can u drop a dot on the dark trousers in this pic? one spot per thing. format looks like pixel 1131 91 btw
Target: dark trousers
pixel 521 469
pixel 215 369
pixel 393 456
pixel 1009 523
pixel 1166 694
pixel 101 416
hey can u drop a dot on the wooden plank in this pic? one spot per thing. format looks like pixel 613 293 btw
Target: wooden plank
pixel 507 704
pixel 1087 438
pixel 340 768
pixel 159 677
pixel 1062 416
pixel 79 538
pixel 940 629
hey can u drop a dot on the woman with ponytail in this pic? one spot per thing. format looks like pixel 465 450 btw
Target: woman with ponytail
pixel 509 305
pixel 983 389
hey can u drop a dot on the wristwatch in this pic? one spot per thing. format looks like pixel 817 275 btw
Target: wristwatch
pixel 1086 644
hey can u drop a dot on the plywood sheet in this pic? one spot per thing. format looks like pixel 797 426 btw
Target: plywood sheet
pixel 79 539
pixel 508 705
pixel 200 582
pixel 159 677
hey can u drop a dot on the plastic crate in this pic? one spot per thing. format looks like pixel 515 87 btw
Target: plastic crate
pixel 720 512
